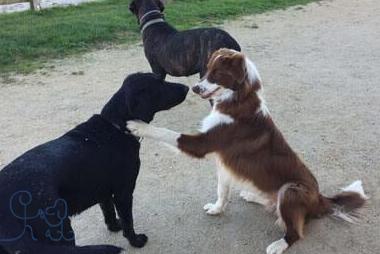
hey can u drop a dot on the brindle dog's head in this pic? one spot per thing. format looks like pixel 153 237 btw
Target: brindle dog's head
pixel 142 7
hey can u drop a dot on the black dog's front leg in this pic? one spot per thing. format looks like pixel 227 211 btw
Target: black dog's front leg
pixel 108 209
pixel 124 205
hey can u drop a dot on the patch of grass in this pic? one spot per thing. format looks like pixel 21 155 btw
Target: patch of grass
pixel 29 39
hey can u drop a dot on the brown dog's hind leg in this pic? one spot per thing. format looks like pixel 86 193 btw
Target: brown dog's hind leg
pixel 292 209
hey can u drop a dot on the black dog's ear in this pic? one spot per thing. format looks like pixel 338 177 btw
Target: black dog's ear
pixel 133 7
pixel 161 5
pixel 139 108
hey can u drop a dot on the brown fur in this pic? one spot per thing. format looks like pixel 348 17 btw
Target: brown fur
pixel 255 150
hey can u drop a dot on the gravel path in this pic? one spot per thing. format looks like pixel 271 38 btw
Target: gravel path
pixel 320 65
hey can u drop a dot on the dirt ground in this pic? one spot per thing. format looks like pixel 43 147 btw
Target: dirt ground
pixel 321 69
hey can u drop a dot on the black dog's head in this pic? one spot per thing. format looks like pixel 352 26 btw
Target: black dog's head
pixel 141 7
pixel 141 96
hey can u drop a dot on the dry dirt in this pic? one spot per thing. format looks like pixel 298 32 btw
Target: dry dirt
pixel 321 69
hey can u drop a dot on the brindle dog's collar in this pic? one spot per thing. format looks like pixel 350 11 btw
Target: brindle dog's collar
pixel 151 22
pixel 142 19
pixel 150 18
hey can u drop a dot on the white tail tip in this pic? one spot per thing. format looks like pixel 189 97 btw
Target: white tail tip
pixel 357 187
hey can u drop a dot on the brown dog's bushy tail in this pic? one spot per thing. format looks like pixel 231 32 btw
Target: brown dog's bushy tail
pixel 344 205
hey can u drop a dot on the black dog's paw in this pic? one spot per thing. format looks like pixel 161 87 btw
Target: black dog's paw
pixel 114 226
pixel 138 241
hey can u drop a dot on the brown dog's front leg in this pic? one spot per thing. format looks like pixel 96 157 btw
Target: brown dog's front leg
pixel 193 145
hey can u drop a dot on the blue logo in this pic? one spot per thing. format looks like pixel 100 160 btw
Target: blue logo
pixel 20 205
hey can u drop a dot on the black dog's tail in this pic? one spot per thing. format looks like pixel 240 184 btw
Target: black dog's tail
pixel 91 249
pixel 43 248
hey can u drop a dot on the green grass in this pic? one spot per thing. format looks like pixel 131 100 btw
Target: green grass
pixel 29 39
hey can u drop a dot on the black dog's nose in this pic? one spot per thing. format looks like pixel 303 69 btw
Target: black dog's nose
pixel 186 88
pixel 196 89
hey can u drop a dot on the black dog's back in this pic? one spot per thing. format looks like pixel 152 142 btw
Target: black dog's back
pixel 67 170
pixel 61 178
pixel 96 162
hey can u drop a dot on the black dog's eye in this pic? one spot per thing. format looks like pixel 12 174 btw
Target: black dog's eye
pixel 147 94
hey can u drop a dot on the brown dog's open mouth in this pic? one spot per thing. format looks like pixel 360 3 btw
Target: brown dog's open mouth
pixel 208 95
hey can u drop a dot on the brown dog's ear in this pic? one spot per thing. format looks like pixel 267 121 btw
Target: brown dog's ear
pixel 133 7
pixel 238 67
pixel 161 5
pixel 211 59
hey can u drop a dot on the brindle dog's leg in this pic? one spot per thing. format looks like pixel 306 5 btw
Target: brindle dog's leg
pixel 108 209
pixel 156 69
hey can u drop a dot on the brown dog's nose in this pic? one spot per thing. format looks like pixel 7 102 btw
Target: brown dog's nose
pixel 196 89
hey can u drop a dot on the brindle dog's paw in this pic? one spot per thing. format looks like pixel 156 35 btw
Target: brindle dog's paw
pixel 115 226
pixel 138 241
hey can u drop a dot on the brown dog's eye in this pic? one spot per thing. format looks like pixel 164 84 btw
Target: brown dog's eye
pixel 212 77
pixel 220 75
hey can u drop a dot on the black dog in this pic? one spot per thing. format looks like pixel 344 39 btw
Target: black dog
pixel 96 162
pixel 176 53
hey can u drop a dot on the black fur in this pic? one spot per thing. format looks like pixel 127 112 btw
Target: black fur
pixel 178 53
pixel 94 163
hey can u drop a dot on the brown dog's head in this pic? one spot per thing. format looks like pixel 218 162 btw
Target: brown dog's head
pixel 228 71
pixel 141 7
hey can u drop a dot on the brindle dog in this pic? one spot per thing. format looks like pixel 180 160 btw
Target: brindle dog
pixel 177 53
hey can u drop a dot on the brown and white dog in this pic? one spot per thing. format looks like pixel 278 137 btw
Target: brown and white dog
pixel 251 151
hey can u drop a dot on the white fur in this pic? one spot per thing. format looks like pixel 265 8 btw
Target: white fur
pixel 277 247
pixel 357 187
pixel 280 196
pixel 222 95
pixel 214 119
pixel 227 179
pixel 351 217
pixel 141 129
pixel 263 106
pixel 253 73
pixel 347 217
pixel 224 186
pixel 218 93
pixel 254 195
pixel 206 87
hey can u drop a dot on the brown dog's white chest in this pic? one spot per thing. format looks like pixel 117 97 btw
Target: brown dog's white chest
pixel 215 118
pixel 249 191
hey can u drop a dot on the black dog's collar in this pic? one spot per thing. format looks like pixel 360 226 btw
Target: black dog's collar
pixel 126 131
pixel 150 18
pixel 122 129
